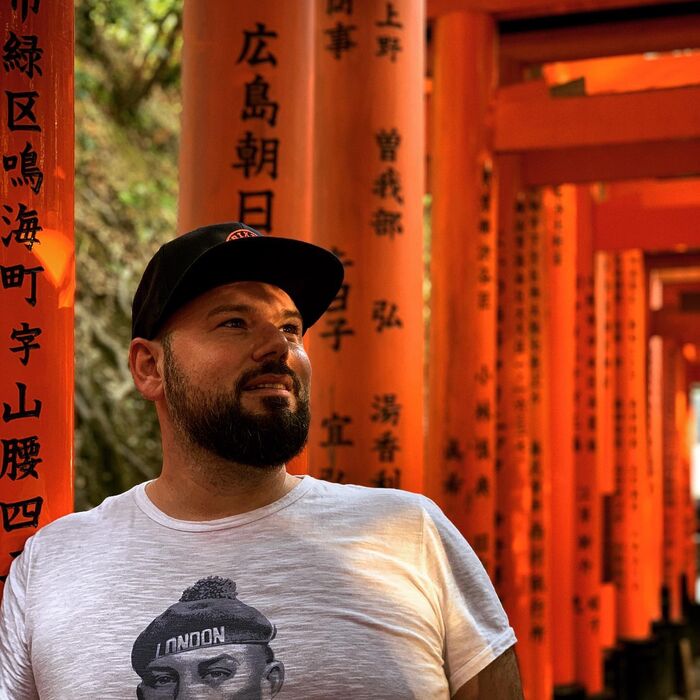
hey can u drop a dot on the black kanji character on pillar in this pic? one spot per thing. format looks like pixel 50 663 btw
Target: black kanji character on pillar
pixel 484 375
pixel 386 316
pixel 340 302
pixel 20 457
pixel 27 229
pixel 389 46
pixel 388 184
pixel 30 173
pixel 482 486
pixel 536 531
pixel 257 103
pixel 254 46
pixel 254 154
pixel 333 6
pixel 26 6
pixel 453 483
pixel 386 409
pixel 13 555
pixel 335 475
pixel 486 174
pixel 453 452
pixel 340 40
pixel 391 19
pixel 21 514
pixel 386 446
pixel 336 328
pixel 341 256
pixel 537 633
pixel 334 426
pixel 483 410
pixel 22 411
pixel 385 480
pixel 255 209
pixel 387 223
pixel 26 337
pixel 481 542
pixel 20 111
pixel 22 54
pixel 388 142
pixel 13 276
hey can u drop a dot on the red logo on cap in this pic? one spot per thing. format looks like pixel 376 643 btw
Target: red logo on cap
pixel 240 233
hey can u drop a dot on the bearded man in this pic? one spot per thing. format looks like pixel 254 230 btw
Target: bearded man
pixel 369 593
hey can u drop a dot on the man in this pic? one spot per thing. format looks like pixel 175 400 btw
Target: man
pixel 372 592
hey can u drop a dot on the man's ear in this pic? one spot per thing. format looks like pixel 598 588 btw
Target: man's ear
pixel 274 675
pixel 146 367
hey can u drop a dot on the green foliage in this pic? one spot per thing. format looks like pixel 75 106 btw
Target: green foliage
pixel 127 126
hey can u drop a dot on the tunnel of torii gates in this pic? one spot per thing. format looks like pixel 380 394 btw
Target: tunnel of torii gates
pixel 546 408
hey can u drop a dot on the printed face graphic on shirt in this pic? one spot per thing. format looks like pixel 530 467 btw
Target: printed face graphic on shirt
pixel 208 645
pixel 228 671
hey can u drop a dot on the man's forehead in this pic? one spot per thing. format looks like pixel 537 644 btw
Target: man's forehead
pixel 247 293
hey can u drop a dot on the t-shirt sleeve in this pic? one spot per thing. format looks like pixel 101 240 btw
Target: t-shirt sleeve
pixel 16 677
pixel 476 629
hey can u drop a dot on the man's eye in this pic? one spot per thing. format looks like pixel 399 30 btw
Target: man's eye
pixel 160 679
pixel 234 323
pixel 214 677
pixel 292 328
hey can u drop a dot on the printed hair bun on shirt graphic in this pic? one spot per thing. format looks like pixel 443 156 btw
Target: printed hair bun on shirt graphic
pixel 208 640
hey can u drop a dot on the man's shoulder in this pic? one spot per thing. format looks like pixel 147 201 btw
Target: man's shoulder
pixel 81 523
pixel 382 500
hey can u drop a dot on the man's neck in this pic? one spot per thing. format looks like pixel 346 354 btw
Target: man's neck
pixel 209 489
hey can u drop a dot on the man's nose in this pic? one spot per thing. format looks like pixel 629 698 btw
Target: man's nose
pixel 186 691
pixel 271 343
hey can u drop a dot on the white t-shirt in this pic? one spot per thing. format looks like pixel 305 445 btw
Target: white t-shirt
pixel 333 591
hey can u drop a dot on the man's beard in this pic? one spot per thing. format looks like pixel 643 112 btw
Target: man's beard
pixel 218 423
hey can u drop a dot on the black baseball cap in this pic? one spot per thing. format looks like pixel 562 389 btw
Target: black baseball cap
pixel 210 256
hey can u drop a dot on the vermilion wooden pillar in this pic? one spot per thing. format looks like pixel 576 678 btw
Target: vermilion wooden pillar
pixel 513 444
pixel 560 222
pixel 367 412
pixel 656 444
pixel 691 518
pixel 462 402
pixel 605 309
pixel 674 544
pixel 37 277
pixel 630 533
pixel 588 533
pixel 540 331
pixel 247 120
pixel 688 549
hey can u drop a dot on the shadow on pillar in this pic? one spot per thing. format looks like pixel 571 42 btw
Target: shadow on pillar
pixel 632 670
pixel 569 692
pixel 652 669
pixel 691 614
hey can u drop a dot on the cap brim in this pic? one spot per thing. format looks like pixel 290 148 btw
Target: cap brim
pixel 311 275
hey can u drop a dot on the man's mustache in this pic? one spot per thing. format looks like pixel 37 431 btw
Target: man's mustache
pixel 272 367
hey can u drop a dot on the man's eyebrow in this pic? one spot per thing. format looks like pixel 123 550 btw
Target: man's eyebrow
pixel 231 308
pixel 204 666
pixel 292 313
pixel 246 309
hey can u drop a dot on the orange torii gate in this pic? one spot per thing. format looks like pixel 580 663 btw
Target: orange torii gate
pixel 461 450
pixel 367 425
pixel 37 272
